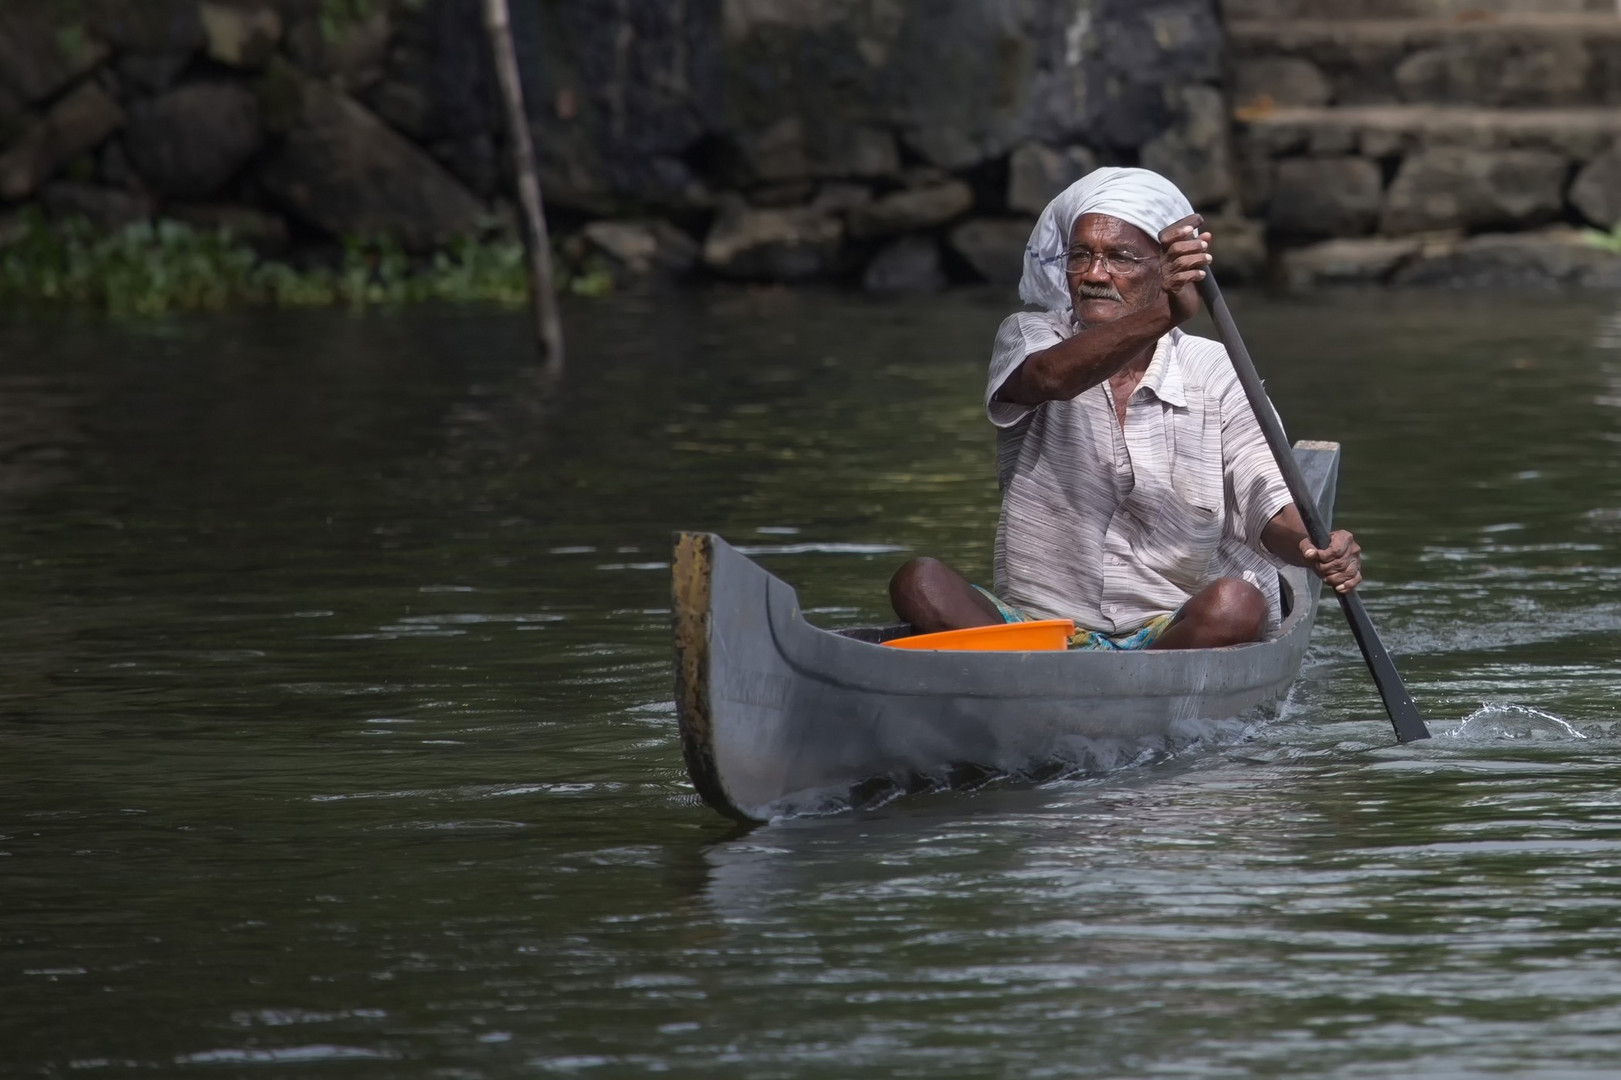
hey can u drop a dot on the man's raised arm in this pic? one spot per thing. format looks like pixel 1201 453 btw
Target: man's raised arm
pixel 1128 292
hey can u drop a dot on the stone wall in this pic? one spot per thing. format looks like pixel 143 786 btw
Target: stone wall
pixel 900 144
pixel 897 143
pixel 288 122
pixel 1431 144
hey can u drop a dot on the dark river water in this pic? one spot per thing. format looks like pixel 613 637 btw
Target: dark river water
pixel 335 705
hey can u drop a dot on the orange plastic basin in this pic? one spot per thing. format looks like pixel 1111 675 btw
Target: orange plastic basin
pixel 1043 634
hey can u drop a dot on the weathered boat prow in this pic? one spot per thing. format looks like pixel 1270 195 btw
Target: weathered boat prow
pixel 777 714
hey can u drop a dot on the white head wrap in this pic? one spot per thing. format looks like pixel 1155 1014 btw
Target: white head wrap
pixel 1136 196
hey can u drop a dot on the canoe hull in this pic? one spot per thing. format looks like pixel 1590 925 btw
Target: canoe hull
pixel 778 716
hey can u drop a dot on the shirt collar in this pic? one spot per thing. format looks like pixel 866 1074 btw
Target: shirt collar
pixel 1164 374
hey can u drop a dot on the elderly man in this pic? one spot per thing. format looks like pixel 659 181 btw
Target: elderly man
pixel 1139 497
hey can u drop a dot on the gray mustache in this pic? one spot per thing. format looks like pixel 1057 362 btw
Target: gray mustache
pixel 1098 292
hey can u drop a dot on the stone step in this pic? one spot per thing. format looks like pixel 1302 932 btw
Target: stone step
pixel 1506 61
pixel 1409 9
pixel 1389 131
pixel 1538 258
pixel 1407 170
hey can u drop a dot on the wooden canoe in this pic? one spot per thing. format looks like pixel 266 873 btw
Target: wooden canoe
pixel 779 717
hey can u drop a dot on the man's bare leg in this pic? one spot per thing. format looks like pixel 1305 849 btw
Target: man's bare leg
pixel 933 597
pixel 1228 611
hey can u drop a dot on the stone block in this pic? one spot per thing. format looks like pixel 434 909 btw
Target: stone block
pixel 859 151
pixel 792 193
pixel 994 248
pixel 473 160
pixel 240 36
pixel 1497 71
pixel 344 171
pixel 1194 153
pixel 1340 10
pixel 147 26
pixel 1606 85
pixel 1279 81
pixel 839 198
pixel 796 244
pixel 263 231
pixel 107 207
pixel 906 211
pixel 1037 173
pixel 1335 196
pixel 1359 260
pixel 923 176
pixel 38 58
pixel 1378 144
pixel 15 117
pixel 188 142
pixel 910 264
pixel 1597 190
pixel 790 150
pixel 572 172
pixel 1135 56
pixel 75 125
pixel 407 107
pixel 628 99
pixel 354 57
pixel 113 167
pixel 1458 188
pixel 1545 258
pixel 642 249
pixel 152 72
pixel 1388 130
pixel 1239 247
pixel 1254 168
pixel 1331 140
pixel 962 82
pixel 775 153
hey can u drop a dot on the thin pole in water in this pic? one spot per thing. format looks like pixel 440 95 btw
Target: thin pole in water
pixel 542 292
pixel 1404 715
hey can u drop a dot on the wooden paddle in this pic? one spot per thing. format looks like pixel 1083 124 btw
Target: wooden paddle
pixel 1404 715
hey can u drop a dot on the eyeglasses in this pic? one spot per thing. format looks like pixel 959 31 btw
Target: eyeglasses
pixel 1079 260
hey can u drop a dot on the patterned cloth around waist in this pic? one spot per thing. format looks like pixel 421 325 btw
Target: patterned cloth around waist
pixel 1140 638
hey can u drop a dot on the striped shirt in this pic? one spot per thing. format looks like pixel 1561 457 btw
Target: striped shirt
pixel 1112 527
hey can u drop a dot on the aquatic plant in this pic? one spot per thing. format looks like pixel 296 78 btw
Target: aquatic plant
pixel 142 269
pixel 1606 241
pixel 149 268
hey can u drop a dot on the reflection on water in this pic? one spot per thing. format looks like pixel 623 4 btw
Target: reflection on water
pixel 339 735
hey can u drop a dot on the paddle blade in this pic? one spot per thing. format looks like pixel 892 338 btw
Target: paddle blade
pixel 1404 715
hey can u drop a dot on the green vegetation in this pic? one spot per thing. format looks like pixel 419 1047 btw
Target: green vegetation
pixel 1607 241
pixel 335 17
pixel 152 268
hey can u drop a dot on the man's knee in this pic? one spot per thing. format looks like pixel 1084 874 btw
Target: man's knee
pixel 932 596
pixel 912 582
pixel 1238 607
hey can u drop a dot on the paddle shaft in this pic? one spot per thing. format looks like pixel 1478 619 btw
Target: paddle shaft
pixel 1404 715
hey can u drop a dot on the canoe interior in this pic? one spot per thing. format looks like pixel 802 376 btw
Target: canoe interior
pixel 780 717
pixel 877 635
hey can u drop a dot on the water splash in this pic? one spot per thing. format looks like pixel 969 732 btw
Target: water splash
pixel 1508 721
